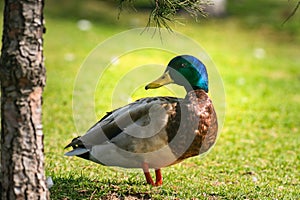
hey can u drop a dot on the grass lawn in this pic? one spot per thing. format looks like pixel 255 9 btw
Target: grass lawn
pixel 257 155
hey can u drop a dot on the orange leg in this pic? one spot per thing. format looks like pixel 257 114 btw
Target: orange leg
pixel 149 179
pixel 159 179
pixel 147 174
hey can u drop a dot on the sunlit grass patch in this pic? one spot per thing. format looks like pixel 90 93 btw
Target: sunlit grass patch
pixel 257 155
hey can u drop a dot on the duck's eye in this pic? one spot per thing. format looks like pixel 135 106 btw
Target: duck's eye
pixel 183 65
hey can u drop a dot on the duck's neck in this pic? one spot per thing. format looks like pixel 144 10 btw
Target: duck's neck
pixel 193 88
pixel 198 93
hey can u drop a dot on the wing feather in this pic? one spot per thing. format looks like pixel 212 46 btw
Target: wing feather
pixel 139 119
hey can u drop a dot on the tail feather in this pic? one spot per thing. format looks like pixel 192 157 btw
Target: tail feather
pixel 78 149
pixel 75 143
pixel 76 152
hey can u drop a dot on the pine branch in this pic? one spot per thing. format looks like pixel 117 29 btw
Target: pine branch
pixel 292 13
pixel 164 11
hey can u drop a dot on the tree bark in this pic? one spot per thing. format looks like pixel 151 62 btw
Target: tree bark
pixel 22 75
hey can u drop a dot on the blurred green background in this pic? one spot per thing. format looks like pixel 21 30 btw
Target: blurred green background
pixel 257 155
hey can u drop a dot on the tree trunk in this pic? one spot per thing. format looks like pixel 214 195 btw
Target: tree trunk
pixel 22 75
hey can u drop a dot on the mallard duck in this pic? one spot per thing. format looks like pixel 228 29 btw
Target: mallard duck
pixel 155 132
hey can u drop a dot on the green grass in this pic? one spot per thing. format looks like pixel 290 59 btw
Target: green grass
pixel 257 155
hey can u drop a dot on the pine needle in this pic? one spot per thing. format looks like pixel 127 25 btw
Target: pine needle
pixel 292 13
pixel 164 11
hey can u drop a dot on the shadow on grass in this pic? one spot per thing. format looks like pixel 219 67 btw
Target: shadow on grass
pixel 104 12
pixel 128 189
pixel 265 13
pixel 84 188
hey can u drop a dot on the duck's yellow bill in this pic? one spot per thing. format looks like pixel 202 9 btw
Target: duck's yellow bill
pixel 163 80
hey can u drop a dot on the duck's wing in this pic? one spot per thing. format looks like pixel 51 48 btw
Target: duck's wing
pixel 143 118
pixel 140 119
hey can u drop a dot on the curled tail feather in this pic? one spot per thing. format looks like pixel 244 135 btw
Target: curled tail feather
pixel 78 149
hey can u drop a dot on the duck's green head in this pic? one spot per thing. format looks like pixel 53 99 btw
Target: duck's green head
pixel 183 70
